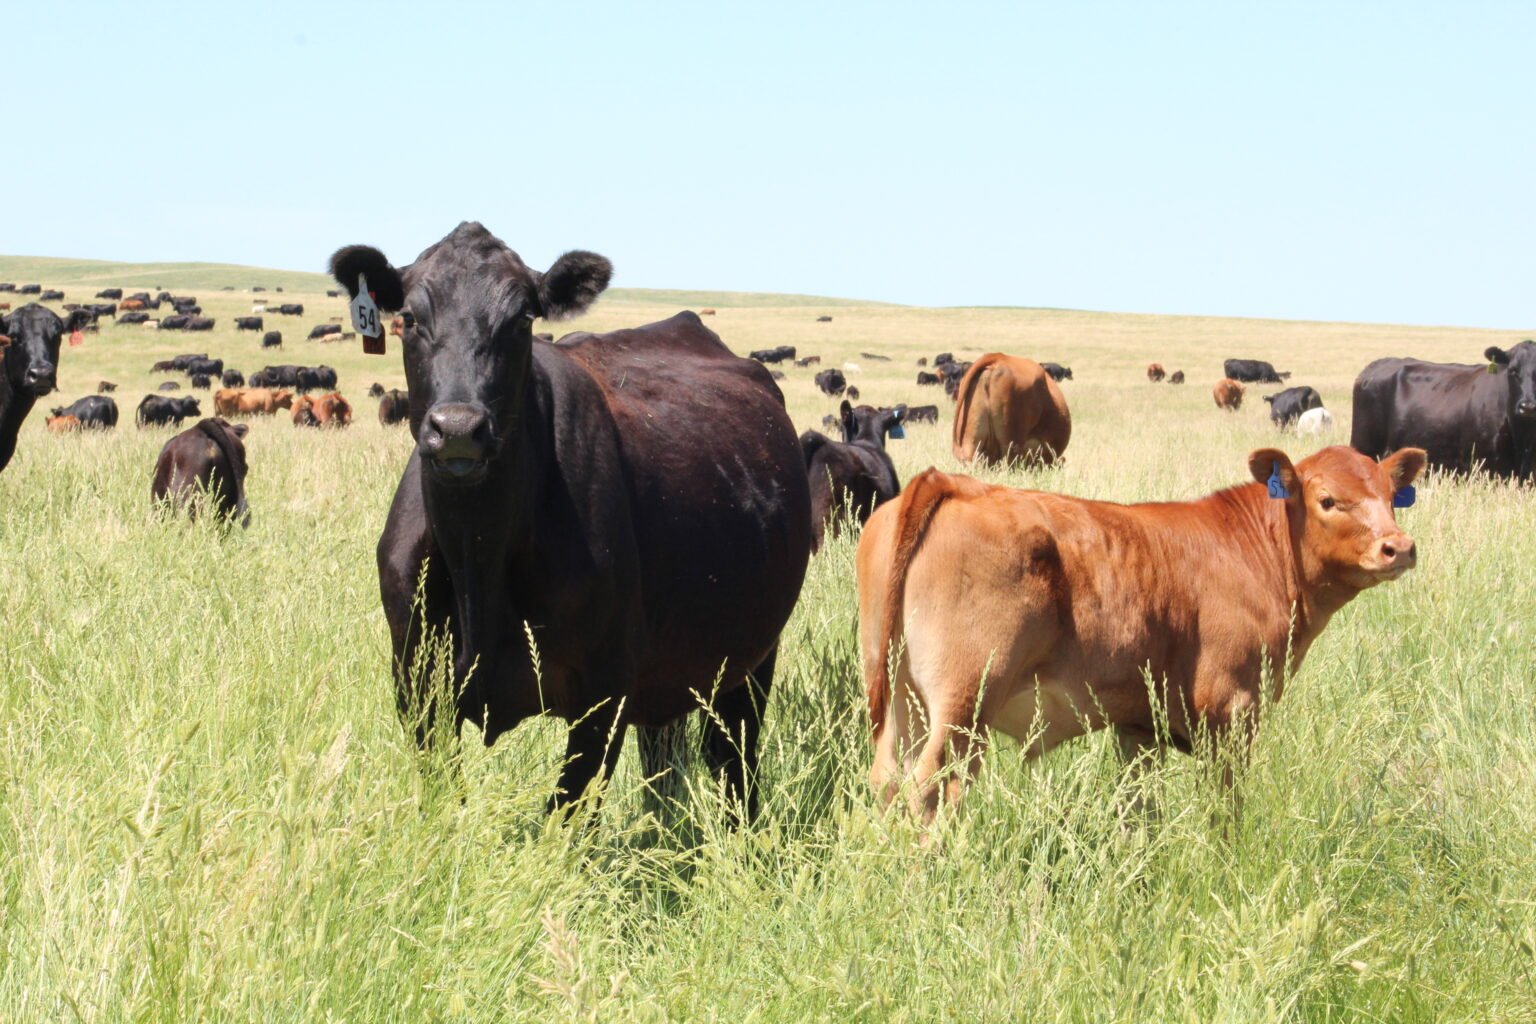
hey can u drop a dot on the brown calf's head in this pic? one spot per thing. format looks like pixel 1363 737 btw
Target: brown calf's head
pixel 1340 505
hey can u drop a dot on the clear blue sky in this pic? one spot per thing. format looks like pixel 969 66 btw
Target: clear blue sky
pixel 1371 161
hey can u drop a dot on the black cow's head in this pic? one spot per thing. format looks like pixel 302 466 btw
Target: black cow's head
pixel 870 425
pixel 1519 365
pixel 32 346
pixel 469 303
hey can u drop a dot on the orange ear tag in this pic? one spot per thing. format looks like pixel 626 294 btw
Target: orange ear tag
pixel 76 339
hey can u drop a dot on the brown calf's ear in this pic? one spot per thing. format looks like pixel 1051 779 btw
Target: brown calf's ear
pixel 384 281
pixel 572 284
pixel 1272 467
pixel 1404 466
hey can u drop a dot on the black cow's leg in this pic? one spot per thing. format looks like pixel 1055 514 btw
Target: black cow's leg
pixel 663 753
pixel 732 751
pixel 592 744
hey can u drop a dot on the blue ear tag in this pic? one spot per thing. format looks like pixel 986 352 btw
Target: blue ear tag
pixel 1276 488
pixel 1405 497
pixel 899 432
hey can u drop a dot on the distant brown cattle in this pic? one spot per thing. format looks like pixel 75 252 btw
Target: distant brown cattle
pixel 204 464
pixel 330 410
pixel 984 609
pixel 706 312
pixel 129 305
pixel 1155 372
pixel 394 407
pixel 1228 394
pixel 1009 409
pixel 251 401
pixel 4 306
pixel 63 424
pixel 1176 377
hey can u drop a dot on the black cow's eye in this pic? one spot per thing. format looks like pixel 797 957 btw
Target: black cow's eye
pixel 1326 503
pixel 408 319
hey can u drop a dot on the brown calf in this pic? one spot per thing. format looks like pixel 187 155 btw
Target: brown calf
pixel 1228 394
pixel 251 401
pixel 63 424
pixel 1009 409
pixel 1037 614
pixel 1155 372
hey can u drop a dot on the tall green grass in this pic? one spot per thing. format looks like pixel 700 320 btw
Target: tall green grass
pixel 212 812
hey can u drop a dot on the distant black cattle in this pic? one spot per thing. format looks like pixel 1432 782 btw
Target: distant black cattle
pixel 174 322
pixel 823 319
pixel 321 330
pixel 832 381
pixel 248 323
pixel 332 293
pixel 952 372
pixel 375 390
pixel 1286 407
pixel 179 300
pixel 182 362
pixel 101 308
pixel 202 381
pixel 808 361
pixel 875 356
pixel 272 339
pixel 105 386
pixel 925 379
pixel 204 366
pixel 942 358
pixel 313 378
pixel 29 289
pixel 51 295
pixel 7 286
pixel 288 309
pixel 92 411
pixel 1253 371
pixel 169 385
pixel 258 288
pixel 233 379
pixel 1176 377
pixel 110 293
pixel 205 462
pixel 852 478
pixel 777 354
pixel 394 407
pixel 157 411
pixel 1460 414
pixel 853 393
pixel 200 323
pixel 923 414
pixel 1057 371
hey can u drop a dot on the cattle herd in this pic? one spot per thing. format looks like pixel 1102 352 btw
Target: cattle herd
pixel 657 567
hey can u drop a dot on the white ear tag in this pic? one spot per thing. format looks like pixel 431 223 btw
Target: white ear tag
pixel 365 318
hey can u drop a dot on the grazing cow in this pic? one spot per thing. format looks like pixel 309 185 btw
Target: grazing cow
pixel 953 373
pixel 288 309
pixel 942 358
pixel 1315 421
pixel 51 295
pixel 706 312
pixel 205 462
pixel 394 407
pixel 922 360
pixel 923 414
pixel 1228 395
pixel 202 380
pixel 1252 371
pixel 1286 407
pixel 1057 371
pixel 169 385
pixel 164 366
pixel 326 411
pixel 131 306
pixel 157 411
pixel 199 323
pixel 248 323
pixel 375 390
pixel 251 401
pixel 7 286
pixel 853 393
pixel 853 477
pixel 30 289
pixel 321 330
pixel 332 293
pixel 110 293
pixel 174 322
pixel 1044 616
pixel 258 288
pixel 62 424
pixel 808 361
pixel 1176 377
pixel 1010 410
pixel 105 386
pixel 311 378
pixel 653 566
pixel 4 306
pixel 777 354
pixel 272 339
pixel 832 382
pixel 98 309
pixel 286 375
pixel 1462 415
pixel 875 357
pixel 304 412
pixel 91 411
pixel 29 356
pixel 205 366
pixel 823 319
pixel 232 378
pixel 1155 372
pixel 925 379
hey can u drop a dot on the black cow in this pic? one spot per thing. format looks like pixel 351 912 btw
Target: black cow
pixel 285 376
pixel 1057 371
pixel 105 386
pixel 922 414
pixel 51 295
pixel 375 390
pixel 30 289
pixel 169 385
pixel 248 323
pixel 777 354
pixel 99 309
pixel 832 382
pixel 851 478
pixel 174 322
pixel 164 366
pixel 1286 407
pixel 332 293
pixel 205 367
pixel 110 293
pixel 924 379
pixel 7 286
pixel 258 288
pixel 321 330
pixel 875 356
pixel 272 339
pixel 823 319
pixel 184 362
pixel 29 353
pixel 652 566
pixel 1459 414
pixel 202 381
pixel 288 309
pixel 394 407
pixel 205 462
pixel 942 358
pixel 91 411
pixel 233 378
pixel 158 411
pixel 1176 377
pixel 1253 371
pixel 179 300
pixel 200 323
pixel 952 372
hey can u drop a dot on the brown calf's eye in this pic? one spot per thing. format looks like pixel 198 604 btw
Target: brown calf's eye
pixel 1326 503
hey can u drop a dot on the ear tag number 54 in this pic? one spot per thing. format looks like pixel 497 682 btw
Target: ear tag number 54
pixel 365 313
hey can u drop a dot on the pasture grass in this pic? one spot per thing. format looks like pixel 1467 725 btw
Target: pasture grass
pixel 212 812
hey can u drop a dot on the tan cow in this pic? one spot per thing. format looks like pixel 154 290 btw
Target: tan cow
pixel 1038 614
pixel 251 401
pixel 63 424
pixel 330 410
pixel 1228 394
pixel 1009 409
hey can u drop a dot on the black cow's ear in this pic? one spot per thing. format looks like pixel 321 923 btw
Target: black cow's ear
pixel 1494 354
pixel 384 281
pixel 900 412
pixel 240 429
pixel 572 284
pixel 77 321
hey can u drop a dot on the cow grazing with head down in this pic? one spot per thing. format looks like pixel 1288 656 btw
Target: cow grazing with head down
pixel 272 339
pixel 1228 395
pixel 1462 415
pixel 853 477
pixel 1253 371
pixel 232 378
pixel 248 323
pixel 91 411
pixel 1286 407
pixel 62 424
pixel 1216 601
pixel 394 407
pixel 158 411
pixel 655 568
pixel 832 382
pixel 251 401
pixel 203 467
pixel 29 356
pixel 1010 410
pixel 1176 377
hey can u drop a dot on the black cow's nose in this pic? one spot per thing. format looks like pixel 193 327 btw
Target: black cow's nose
pixel 39 378
pixel 1525 408
pixel 455 432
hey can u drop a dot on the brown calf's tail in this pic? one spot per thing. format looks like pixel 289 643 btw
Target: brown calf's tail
pixel 922 498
